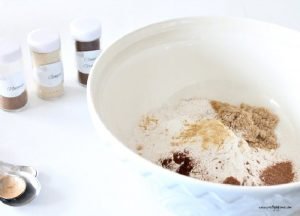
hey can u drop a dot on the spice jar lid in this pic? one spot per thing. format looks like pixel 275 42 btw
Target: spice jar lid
pixel 9 51
pixel 86 29
pixel 43 41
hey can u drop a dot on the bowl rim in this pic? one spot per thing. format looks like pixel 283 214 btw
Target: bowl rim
pixel 108 135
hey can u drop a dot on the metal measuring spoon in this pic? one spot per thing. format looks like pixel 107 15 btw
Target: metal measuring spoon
pixel 31 190
pixel 23 175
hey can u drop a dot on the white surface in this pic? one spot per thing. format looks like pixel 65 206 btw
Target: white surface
pixel 43 40
pixel 85 29
pixel 58 138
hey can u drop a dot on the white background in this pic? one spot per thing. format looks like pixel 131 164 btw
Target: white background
pixel 78 173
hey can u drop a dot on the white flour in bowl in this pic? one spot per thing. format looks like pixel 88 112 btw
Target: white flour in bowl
pixel 187 137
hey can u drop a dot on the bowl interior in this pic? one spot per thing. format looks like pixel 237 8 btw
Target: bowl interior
pixel 228 59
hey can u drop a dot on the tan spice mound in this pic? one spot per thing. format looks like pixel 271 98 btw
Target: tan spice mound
pixel 11 187
pixel 148 122
pixel 257 124
pixel 211 131
pixel 279 173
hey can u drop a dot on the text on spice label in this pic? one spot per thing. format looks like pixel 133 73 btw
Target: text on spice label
pixel 12 85
pixel 50 75
pixel 86 59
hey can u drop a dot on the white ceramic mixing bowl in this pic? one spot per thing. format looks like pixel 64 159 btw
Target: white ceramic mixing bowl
pixel 234 60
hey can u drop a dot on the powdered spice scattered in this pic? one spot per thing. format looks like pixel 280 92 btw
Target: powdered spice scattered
pixel 139 147
pixel 235 142
pixel 279 173
pixel 210 130
pixel 257 124
pixel 148 122
pixel 231 180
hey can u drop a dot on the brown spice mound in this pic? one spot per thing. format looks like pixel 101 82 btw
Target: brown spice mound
pixel 279 173
pixel 181 158
pixel 186 167
pixel 231 180
pixel 257 124
pixel 166 163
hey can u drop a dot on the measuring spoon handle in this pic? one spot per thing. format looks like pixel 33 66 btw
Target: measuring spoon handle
pixel 7 167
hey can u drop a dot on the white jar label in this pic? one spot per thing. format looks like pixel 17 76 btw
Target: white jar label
pixel 12 84
pixel 86 59
pixel 50 75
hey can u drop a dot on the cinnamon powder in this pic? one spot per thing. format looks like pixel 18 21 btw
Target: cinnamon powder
pixel 231 180
pixel 279 173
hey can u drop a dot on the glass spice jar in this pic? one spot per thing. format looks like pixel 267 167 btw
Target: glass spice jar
pixel 48 69
pixel 13 94
pixel 86 32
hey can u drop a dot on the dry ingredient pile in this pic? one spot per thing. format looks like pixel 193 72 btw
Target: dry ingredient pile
pixel 215 141
pixel 11 186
